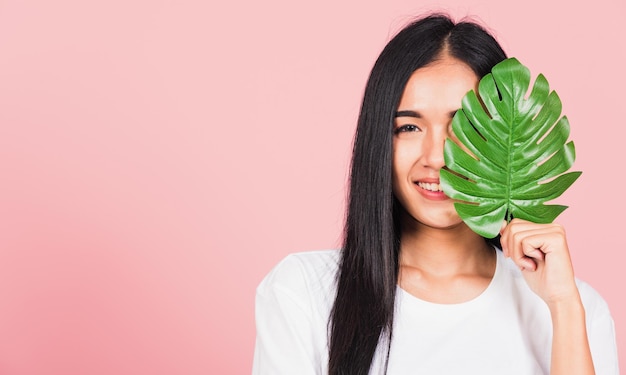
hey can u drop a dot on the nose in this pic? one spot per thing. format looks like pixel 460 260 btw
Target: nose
pixel 433 150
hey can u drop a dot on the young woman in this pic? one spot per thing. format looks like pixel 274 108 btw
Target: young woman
pixel 413 289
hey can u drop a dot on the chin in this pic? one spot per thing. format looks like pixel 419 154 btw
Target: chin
pixel 445 225
pixel 442 221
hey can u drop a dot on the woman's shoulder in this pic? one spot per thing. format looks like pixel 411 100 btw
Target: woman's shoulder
pixel 303 273
pixel 595 304
pixel 292 309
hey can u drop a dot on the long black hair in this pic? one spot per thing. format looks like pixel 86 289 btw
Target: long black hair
pixel 362 315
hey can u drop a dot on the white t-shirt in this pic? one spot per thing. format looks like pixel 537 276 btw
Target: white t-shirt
pixel 507 329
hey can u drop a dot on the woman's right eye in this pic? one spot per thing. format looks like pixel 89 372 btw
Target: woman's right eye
pixel 406 128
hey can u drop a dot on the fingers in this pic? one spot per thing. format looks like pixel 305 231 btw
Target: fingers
pixel 528 243
pixel 541 251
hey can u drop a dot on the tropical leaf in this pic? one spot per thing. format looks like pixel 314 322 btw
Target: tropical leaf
pixel 511 152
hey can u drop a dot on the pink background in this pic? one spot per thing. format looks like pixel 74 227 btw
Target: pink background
pixel 159 157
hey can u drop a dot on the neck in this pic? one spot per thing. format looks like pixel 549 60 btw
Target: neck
pixel 446 251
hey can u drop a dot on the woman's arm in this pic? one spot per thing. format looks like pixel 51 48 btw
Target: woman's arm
pixel 570 347
pixel 541 252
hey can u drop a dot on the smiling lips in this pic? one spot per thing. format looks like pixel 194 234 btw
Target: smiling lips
pixel 431 190
pixel 429 186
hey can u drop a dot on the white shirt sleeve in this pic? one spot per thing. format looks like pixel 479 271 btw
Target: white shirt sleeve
pixel 287 341
pixel 600 331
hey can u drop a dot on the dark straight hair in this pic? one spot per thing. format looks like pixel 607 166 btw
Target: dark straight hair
pixel 361 319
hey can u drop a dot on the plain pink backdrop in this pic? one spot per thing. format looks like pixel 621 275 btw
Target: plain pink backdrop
pixel 159 157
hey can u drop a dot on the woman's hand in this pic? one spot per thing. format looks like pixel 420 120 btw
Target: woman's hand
pixel 541 252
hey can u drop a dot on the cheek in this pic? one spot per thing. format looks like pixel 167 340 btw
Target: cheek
pixel 405 155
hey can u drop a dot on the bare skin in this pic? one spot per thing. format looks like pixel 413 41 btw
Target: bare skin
pixel 441 259
pixel 445 266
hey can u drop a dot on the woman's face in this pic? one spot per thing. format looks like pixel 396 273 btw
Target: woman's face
pixel 423 122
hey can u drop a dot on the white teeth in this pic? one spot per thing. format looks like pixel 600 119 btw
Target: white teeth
pixel 429 186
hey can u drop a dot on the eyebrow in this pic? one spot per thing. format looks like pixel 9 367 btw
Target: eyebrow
pixel 418 115
pixel 408 114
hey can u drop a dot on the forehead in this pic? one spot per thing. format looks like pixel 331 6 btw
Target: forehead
pixel 439 85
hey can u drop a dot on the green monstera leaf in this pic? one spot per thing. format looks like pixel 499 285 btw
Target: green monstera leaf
pixel 512 151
